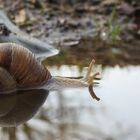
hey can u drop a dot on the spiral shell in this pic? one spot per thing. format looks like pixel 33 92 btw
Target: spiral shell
pixel 20 67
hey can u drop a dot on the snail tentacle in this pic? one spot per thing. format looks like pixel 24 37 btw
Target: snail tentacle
pixel 89 80
pixel 89 69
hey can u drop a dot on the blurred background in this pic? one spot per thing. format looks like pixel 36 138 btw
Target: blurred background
pixel 107 30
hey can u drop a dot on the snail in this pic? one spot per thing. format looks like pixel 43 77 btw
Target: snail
pixel 21 72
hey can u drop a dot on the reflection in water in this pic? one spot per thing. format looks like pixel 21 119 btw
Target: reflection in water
pixel 20 106
pixel 72 114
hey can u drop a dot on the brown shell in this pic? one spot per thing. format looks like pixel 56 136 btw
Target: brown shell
pixel 22 66
pixel 7 83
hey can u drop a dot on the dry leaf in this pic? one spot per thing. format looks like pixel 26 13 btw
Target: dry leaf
pixel 21 17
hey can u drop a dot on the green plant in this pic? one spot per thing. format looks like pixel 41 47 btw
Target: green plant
pixel 114 28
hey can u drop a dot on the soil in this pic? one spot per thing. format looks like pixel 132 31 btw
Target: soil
pixel 107 30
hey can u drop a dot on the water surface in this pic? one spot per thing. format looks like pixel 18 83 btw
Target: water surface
pixel 73 114
pixel 116 115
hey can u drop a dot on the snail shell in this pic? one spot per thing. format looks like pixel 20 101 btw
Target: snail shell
pixel 20 69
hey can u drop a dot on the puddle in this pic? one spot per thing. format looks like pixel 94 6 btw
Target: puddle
pixel 73 111
pixel 73 114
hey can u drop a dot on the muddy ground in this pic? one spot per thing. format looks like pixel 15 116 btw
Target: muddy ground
pixel 107 30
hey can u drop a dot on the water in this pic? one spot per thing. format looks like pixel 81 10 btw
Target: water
pixel 73 114
pixel 117 115
pixel 20 106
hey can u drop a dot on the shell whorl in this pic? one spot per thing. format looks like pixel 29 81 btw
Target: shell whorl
pixel 22 66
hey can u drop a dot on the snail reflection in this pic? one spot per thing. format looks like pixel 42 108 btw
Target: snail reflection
pixel 18 107
pixel 21 71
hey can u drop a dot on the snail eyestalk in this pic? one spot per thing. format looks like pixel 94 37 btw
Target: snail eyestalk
pixel 89 79
pixel 92 93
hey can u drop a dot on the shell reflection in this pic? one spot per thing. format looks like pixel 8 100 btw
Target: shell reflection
pixel 20 106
